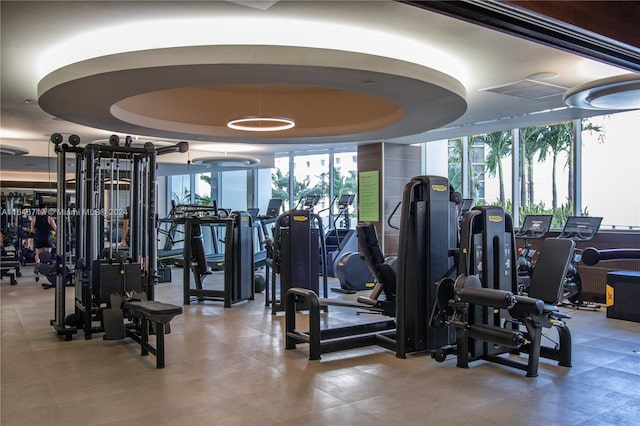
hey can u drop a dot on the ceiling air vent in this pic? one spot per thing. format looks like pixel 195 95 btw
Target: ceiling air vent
pixel 527 89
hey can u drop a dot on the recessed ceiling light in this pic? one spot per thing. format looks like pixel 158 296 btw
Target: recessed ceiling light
pixel 621 92
pixel 223 147
pixel 30 102
pixel 226 161
pixel 12 150
pixel 543 76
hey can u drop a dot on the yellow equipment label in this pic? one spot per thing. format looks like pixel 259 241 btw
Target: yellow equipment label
pixel 495 218
pixel 300 218
pixel 244 218
pixel 609 290
pixel 439 188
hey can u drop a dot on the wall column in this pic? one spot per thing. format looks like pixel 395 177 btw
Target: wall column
pixel 396 165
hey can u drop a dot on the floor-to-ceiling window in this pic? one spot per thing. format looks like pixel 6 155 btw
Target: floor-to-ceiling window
pixel 607 177
pixel 611 170
pixel 327 175
pixel 311 178
pixel 345 182
pixel 280 181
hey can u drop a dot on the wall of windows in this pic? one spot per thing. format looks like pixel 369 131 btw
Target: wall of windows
pixel 606 153
pixel 280 182
pixel 328 175
pixel 233 190
pixel 607 173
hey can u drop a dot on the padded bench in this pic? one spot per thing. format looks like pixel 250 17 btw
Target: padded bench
pixel 6 264
pixel 150 314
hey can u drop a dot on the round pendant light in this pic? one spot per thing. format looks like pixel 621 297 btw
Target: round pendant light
pixel 261 124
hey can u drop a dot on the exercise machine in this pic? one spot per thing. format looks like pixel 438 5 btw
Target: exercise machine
pixel 264 232
pixel 214 256
pixel 428 237
pixel 7 263
pixel 325 340
pixel 238 259
pixel 491 321
pixel 295 250
pixel 353 273
pixel 578 229
pixel 343 260
pixel 465 205
pixel 534 227
pixel 111 179
pixel 309 202
pixel 623 287
pixel 340 240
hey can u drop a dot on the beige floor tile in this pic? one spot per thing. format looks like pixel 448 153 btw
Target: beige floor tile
pixel 229 367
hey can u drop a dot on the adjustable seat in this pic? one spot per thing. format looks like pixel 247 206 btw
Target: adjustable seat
pixel 546 285
pixel 549 274
pixel 383 273
pixel 146 316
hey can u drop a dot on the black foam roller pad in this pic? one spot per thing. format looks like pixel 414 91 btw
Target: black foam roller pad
pixel 497 335
pixel 487 297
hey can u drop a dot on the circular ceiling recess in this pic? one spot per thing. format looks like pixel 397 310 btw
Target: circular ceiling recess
pixel 10 150
pixel 316 111
pixel 621 92
pixel 227 161
pixel 332 96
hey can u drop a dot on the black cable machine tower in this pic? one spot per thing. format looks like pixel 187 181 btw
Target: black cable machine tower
pixel 428 235
pixel 100 267
pixel 298 244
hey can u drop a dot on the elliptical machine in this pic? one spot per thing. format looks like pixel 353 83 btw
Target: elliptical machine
pixel 344 261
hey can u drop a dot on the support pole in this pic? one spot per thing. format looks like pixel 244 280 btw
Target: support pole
pixel 152 246
pixel 60 241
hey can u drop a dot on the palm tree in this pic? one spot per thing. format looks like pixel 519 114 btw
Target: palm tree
pixel 455 164
pixel 532 144
pixel 559 138
pixel 280 186
pixel 341 184
pixel 567 128
pixel 556 141
pixel 499 144
pixel 348 184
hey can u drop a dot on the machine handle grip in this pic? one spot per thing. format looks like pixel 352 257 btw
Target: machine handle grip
pixel 591 256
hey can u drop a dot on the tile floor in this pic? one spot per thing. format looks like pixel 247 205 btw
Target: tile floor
pixel 229 367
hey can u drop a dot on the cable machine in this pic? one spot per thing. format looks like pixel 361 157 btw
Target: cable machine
pixel 238 257
pixel 428 237
pixel 114 183
pixel 298 242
